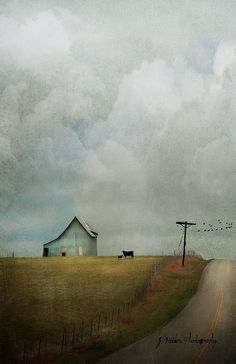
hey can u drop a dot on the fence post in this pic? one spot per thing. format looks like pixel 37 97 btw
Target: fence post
pixel 73 334
pixel 123 307
pixel 118 314
pixel 63 339
pixel 46 341
pixel 39 347
pixel 132 301
pixel 112 317
pixel 24 351
pixel 105 321
pixel 99 319
pixel 82 331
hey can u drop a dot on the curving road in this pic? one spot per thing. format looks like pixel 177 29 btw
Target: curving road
pixel 204 332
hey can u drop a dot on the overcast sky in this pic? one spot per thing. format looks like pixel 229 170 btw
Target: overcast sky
pixel 122 112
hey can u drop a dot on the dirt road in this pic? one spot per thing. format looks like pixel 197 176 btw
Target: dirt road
pixel 204 332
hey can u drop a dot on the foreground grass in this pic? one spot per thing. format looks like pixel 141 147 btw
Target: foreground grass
pixel 170 291
pixel 42 296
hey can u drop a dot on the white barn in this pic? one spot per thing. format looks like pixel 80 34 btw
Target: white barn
pixel 77 239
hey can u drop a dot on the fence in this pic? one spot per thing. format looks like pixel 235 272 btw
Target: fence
pixel 187 253
pixel 7 253
pixel 86 330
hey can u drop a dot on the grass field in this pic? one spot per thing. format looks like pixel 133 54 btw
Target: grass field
pixel 42 296
pixel 169 292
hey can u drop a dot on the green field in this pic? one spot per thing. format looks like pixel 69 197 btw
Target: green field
pixel 43 298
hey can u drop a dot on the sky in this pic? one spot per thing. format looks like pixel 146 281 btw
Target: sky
pixel 123 113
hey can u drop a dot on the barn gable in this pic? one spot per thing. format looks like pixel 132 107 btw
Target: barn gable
pixel 77 239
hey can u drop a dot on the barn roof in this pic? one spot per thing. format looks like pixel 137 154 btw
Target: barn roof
pixel 84 225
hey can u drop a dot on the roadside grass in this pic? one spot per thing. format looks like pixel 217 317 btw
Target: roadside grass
pixel 169 292
pixel 42 296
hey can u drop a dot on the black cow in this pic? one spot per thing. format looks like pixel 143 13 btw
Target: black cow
pixel 120 256
pixel 128 254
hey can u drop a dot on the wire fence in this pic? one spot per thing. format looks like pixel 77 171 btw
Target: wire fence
pixel 7 253
pixel 85 330
pixel 190 253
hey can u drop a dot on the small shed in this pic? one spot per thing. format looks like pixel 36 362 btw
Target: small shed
pixel 77 239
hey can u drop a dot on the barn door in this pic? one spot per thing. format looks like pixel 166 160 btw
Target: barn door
pixel 63 251
pixel 45 252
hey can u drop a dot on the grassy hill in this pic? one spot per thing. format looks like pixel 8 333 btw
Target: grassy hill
pixel 47 300
pixel 42 296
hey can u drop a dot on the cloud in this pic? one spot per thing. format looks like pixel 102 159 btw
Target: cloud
pixel 122 114
pixel 35 43
pixel 157 87
pixel 224 58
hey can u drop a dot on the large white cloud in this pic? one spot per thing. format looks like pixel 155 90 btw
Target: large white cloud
pixel 35 43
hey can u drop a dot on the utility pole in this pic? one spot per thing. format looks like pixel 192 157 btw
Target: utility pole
pixel 185 225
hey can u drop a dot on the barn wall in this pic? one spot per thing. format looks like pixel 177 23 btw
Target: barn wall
pixel 75 241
